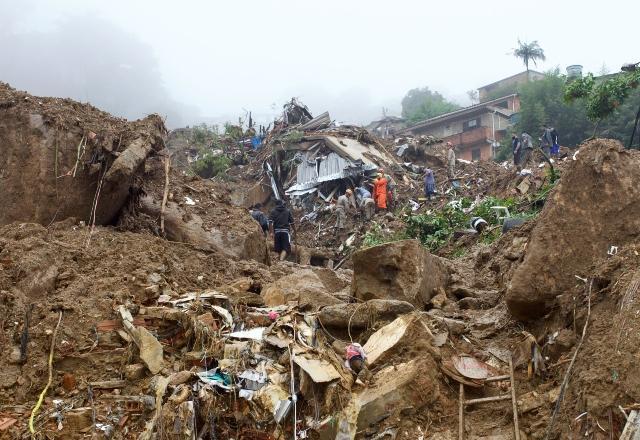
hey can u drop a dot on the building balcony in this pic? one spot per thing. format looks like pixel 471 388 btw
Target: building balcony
pixel 470 137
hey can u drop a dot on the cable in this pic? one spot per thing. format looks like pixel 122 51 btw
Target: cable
pixel 46 388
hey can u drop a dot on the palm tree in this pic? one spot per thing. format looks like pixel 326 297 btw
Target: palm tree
pixel 529 52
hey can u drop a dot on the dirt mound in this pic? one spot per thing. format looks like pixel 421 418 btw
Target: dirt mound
pixel 64 159
pixel 595 206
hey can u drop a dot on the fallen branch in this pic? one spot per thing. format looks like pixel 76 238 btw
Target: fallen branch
pixel 565 381
pixel 46 388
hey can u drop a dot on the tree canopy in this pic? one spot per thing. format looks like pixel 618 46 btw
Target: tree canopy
pixel 575 119
pixel 529 52
pixel 422 103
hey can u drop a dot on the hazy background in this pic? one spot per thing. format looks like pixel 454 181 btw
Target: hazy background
pixel 199 60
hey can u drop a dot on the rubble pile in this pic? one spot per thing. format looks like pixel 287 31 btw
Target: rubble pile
pixel 167 318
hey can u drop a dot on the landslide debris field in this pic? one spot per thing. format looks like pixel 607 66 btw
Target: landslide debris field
pixel 138 300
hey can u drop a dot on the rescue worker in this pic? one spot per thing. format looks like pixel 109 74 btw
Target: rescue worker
pixel 280 225
pixel 380 191
pixel 451 160
pixel 344 204
pixel 260 217
pixel 365 202
pixel 391 188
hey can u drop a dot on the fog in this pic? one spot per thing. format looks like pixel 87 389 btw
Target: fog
pixel 212 61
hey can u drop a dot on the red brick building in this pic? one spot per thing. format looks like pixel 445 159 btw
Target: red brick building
pixel 474 131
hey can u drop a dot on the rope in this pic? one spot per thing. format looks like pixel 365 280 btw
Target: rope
pixel 46 388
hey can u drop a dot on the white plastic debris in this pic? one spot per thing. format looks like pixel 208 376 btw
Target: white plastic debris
pixel 189 201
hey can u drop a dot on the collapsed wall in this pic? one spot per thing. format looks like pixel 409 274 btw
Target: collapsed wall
pixel 595 206
pixel 54 153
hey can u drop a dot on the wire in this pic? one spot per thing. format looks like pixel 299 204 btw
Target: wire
pixel 46 388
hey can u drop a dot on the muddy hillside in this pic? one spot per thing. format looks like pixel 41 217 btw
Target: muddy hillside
pixel 139 299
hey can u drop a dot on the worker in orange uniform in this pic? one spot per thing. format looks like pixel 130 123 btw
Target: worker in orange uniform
pixel 380 191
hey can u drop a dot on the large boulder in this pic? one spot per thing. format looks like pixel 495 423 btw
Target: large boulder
pixel 403 270
pixel 596 205
pixel 310 288
pixel 361 315
pixel 397 388
pixel 62 159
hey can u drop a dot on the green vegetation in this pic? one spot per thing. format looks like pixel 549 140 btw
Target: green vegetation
pixel 210 165
pixel 529 52
pixel 577 109
pixel 422 103
pixel 376 235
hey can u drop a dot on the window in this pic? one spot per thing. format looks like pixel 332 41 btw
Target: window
pixel 475 154
pixel 470 125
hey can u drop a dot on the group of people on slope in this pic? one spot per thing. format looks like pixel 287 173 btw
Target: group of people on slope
pixel 522 147
pixel 380 198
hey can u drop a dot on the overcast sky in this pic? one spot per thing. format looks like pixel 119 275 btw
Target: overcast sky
pixel 197 59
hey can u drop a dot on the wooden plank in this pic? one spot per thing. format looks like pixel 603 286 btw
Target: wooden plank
pixel 461 414
pixel 488 399
pixel 497 378
pixel 632 428
pixel 514 401
pixel 109 384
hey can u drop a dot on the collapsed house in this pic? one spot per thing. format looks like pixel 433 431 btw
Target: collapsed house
pixel 315 158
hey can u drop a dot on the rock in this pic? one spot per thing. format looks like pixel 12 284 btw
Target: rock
pixel 595 205
pixel 207 320
pixel 405 334
pixel 360 315
pixel 77 420
pixel 242 284
pixel 402 270
pixel 439 300
pixel 180 377
pixel 411 384
pixel 533 400
pixel 150 350
pixel 133 372
pixel 304 287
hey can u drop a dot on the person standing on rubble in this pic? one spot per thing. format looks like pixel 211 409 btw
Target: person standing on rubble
pixel 546 141
pixel 344 205
pixel 260 217
pixel 365 202
pixel 515 148
pixel 391 188
pixel 380 191
pixel 451 160
pixel 526 150
pixel 429 183
pixel 280 223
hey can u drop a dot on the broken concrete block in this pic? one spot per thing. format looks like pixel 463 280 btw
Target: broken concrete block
pixel 533 400
pixel 268 398
pixel 402 270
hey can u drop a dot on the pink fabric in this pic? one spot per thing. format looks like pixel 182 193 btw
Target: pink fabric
pixel 355 350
